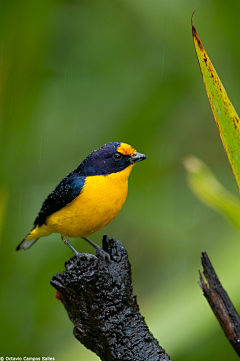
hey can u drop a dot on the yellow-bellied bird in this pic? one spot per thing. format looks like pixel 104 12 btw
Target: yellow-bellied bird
pixel 88 198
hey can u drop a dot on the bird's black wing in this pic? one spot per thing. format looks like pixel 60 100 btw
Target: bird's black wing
pixel 65 192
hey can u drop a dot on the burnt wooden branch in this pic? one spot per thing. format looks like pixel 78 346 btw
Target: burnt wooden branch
pixel 220 303
pixel 97 295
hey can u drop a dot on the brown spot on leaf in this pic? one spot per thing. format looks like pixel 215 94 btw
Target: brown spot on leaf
pixel 235 122
pixel 195 36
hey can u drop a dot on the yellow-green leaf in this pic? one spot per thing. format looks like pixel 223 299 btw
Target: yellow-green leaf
pixel 208 189
pixel 224 113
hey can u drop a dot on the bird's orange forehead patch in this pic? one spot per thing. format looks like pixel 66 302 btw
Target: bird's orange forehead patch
pixel 126 149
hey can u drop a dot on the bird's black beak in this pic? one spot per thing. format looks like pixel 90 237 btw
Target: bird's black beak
pixel 137 157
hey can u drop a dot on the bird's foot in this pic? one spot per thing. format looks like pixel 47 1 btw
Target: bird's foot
pixel 66 241
pixel 99 250
pixel 103 254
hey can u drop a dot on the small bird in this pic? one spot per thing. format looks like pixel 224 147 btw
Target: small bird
pixel 88 198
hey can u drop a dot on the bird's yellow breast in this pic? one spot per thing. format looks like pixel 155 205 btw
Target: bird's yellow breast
pixel 100 200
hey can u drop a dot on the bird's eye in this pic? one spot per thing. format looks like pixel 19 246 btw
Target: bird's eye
pixel 117 156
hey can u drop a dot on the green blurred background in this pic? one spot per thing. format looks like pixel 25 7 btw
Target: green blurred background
pixel 75 75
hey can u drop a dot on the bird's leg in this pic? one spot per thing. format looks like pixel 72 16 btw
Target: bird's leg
pixel 99 250
pixel 66 241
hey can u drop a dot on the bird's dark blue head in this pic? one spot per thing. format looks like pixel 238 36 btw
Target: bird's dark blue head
pixel 110 158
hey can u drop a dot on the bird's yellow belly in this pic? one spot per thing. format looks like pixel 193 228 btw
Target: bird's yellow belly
pixel 99 202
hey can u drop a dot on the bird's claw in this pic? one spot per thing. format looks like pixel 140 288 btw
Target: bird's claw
pixel 103 254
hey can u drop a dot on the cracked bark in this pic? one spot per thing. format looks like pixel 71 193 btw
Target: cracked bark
pixel 97 295
pixel 220 303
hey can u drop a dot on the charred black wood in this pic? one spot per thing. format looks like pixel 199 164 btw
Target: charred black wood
pixel 220 303
pixel 97 295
